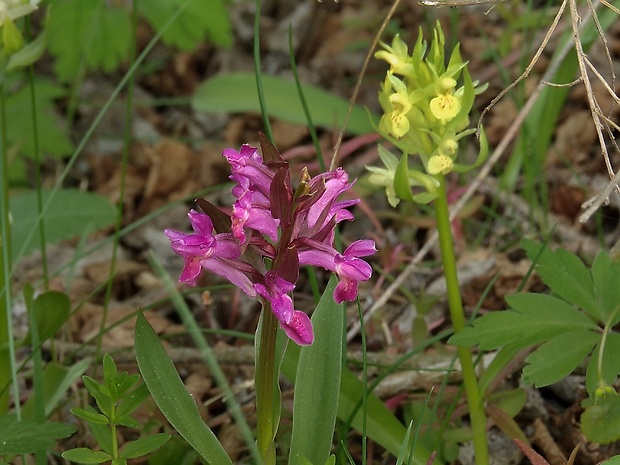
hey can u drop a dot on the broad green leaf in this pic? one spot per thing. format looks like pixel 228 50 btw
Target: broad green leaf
pixel 236 93
pixel 382 426
pixel 199 20
pixel 53 136
pixel 176 451
pixel 144 445
pixel 612 461
pixel 57 379
pixel 84 455
pixel 89 34
pixel 558 357
pixel 600 421
pixel 27 436
pixel 172 397
pixel 69 214
pixel 610 368
pixel 51 310
pixel 535 318
pixel 317 383
pixel 566 275
pixel 605 277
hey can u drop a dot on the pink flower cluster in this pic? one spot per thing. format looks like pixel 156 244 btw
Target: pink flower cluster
pixel 271 221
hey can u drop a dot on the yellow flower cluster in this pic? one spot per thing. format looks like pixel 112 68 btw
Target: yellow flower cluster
pixel 425 113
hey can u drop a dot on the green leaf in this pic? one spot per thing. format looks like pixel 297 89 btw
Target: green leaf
pixel 535 318
pixel 600 421
pixel 98 392
pixel 84 455
pixel 236 93
pixel 511 401
pixel 402 187
pixel 199 20
pixel 27 436
pixel 612 461
pixel 144 446
pixel 52 135
pixel 109 368
pixel 132 401
pixel 90 417
pixel 28 54
pixel 610 368
pixel 102 434
pixel 93 34
pixel 382 426
pixel 172 397
pixel 566 275
pixel 69 214
pixel 558 357
pixel 605 274
pixel 51 311
pixel 317 383
pixel 57 379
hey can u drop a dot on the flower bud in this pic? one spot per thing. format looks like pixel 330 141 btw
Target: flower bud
pixel 12 40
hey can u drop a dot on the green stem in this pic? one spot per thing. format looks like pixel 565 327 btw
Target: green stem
pixel 8 373
pixel 601 346
pixel 474 400
pixel 266 386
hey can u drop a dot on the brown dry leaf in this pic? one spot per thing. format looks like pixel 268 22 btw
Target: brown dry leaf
pixel 567 200
pixel 544 441
pixel 574 139
pixel 499 120
pixel 86 324
pixel 170 173
pixel 534 457
pixel 288 135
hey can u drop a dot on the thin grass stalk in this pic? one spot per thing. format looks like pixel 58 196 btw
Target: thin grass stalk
pixel 38 391
pixel 37 165
pixel 258 75
pixel 127 136
pixel 5 252
pixel 474 400
pixel 365 381
pixel 8 373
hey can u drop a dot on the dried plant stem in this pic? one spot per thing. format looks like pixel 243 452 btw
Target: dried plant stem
pixel 360 77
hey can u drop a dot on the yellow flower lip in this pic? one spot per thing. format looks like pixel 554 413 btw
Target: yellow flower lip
pixel 445 107
pixel 439 164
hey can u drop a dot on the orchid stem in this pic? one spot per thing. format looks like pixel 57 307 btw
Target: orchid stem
pixel 474 400
pixel 266 386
